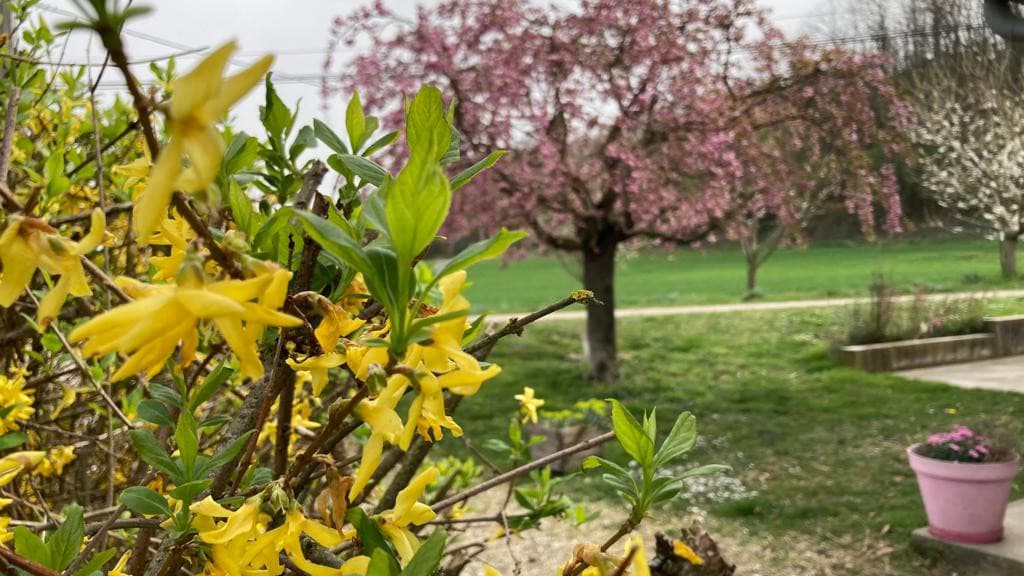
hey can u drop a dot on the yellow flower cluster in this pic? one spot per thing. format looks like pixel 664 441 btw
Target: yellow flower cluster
pixel 241 541
pixel 164 315
pixel 15 401
pixel 29 243
pixel 438 365
pixel 37 462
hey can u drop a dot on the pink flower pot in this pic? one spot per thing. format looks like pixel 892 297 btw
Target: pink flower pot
pixel 964 502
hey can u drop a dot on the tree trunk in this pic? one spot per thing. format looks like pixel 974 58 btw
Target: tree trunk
pixel 1008 256
pixel 752 265
pixel 599 278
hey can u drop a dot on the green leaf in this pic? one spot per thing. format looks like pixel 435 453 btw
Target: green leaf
pixel 213 381
pixel 224 456
pixel 381 143
pixel 324 134
pixel 590 462
pixel 30 546
pixel 428 557
pixel 145 501
pixel 304 140
pixel 427 131
pixel 155 412
pixel 165 395
pixel 416 207
pixel 631 435
pixel 371 538
pixel 664 489
pixel 474 330
pixel 186 436
pixel 152 453
pixel 334 240
pixel 241 207
pixel 483 250
pixel 355 122
pixel 274 114
pixel 66 541
pixel 365 168
pixel 381 564
pixel 453 154
pixel 651 424
pixel 189 490
pixel 463 178
pixel 705 470
pixel 679 441
pixel 12 439
pixel 95 563
pixel 240 154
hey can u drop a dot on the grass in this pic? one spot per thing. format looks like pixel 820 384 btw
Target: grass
pixel 717 275
pixel 821 445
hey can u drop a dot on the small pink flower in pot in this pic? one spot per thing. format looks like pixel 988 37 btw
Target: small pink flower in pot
pixel 965 484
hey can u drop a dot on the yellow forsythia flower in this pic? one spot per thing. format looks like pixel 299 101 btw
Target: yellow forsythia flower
pixel 16 400
pixel 200 99
pixel 337 322
pixel 639 561
pixel 318 366
pixel 408 510
pixel 16 462
pixel 29 243
pixel 529 404
pixel 679 548
pixel 122 562
pixel 55 461
pixel 150 328
pixel 372 451
pixel 239 545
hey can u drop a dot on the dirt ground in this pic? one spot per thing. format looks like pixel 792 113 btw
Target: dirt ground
pixel 542 552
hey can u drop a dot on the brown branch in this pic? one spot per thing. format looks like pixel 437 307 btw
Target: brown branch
pixel 110 144
pixel 10 120
pixel 26 564
pixel 110 210
pixel 144 107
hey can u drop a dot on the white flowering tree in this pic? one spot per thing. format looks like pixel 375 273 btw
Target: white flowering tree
pixel 968 130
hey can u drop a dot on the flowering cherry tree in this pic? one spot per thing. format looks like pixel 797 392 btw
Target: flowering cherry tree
pixel 625 121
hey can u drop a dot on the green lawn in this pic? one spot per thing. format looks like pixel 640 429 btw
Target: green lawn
pixel 717 275
pixel 821 445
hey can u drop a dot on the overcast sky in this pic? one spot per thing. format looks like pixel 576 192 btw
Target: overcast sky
pixel 297 30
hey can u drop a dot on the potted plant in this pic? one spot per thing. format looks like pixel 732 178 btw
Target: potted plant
pixel 965 481
pixel 563 428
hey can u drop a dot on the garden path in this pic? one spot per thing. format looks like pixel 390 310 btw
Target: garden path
pixel 755 306
pixel 999 374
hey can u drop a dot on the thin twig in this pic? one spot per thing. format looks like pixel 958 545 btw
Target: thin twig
pixel 524 469
pixel 516 325
pixel 85 369
pixel 109 210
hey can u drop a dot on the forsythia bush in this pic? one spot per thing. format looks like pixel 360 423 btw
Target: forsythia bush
pixel 230 365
